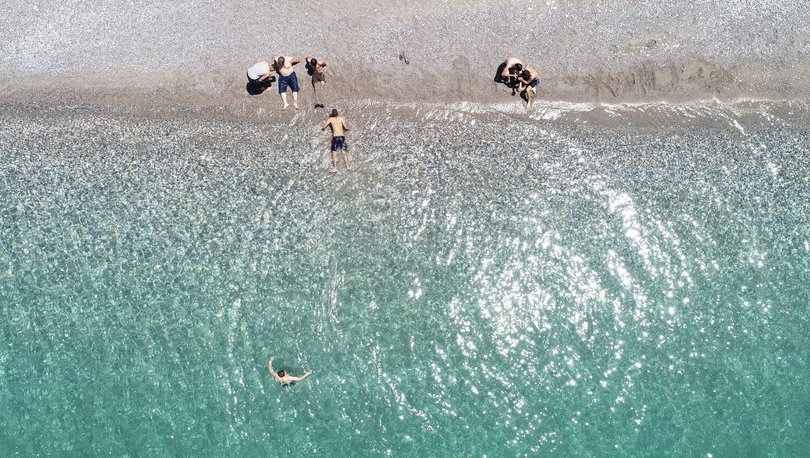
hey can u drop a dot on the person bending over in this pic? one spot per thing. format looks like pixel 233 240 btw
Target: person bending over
pixel 259 77
pixel 528 83
pixel 508 71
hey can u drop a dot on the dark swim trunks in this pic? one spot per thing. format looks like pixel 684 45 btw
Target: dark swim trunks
pixel 316 77
pixel 535 82
pixel 284 81
pixel 338 143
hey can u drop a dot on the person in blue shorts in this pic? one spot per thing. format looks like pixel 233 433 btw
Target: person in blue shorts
pixel 284 66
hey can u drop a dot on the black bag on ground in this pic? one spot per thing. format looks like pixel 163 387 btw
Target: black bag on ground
pixel 254 87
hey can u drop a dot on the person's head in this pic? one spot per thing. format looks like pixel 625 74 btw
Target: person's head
pixel 334 113
pixel 313 62
pixel 518 67
pixel 280 61
pixel 525 74
pixel 281 372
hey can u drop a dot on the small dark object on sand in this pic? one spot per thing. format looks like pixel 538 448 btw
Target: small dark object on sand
pixel 404 58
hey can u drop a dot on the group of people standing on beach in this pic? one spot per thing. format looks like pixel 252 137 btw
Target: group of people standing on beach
pixel 522 80
pixel 512 73
pixel 261 77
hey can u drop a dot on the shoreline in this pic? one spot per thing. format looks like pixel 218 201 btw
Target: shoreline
pixel 265 108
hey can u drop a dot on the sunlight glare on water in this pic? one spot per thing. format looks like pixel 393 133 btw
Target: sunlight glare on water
pixel 555 290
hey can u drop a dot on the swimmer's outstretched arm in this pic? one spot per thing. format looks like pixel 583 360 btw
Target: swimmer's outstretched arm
pixel 270 368
pixel 306 374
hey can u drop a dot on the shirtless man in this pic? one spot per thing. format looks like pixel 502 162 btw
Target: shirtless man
pixel 287 77
pixel 260 77
pixel 283 377
pixel 508 71
pixel 338 125
pixel 315 68
pixel 527 84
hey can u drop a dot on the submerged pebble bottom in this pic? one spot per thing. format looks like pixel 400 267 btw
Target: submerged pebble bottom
pixel 471 288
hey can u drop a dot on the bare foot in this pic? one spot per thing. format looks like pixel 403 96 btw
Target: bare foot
pixel 334 169
pixel 295 105
pixel 285 107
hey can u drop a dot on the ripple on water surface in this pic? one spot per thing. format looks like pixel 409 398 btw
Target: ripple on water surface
pixel 549 289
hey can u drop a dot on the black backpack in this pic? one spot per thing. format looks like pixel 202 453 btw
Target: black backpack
pixel 254 88
pixel 311 66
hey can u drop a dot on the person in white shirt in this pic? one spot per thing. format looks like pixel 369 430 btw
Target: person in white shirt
pixel 260 77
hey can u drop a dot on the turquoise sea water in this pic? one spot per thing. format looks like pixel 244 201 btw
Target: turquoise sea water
pixel 468 289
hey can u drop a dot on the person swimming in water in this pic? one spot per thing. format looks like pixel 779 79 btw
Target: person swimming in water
pixel 283 377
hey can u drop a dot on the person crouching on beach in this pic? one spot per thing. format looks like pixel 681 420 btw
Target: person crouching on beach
pixel 508 71
pixel 259 77
pixel 339 126
pixel 528 83
pixel 284 65
pixel 315 70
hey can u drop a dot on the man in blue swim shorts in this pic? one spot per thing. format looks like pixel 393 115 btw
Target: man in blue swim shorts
pixel 339 126
pixel 287 77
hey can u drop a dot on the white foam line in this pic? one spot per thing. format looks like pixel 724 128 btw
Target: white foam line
pixel 551 110
pixel 736 124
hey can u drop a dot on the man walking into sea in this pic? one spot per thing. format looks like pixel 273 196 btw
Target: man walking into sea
pixel 339 127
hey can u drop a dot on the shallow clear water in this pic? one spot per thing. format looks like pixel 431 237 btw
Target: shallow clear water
pixel 468 289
